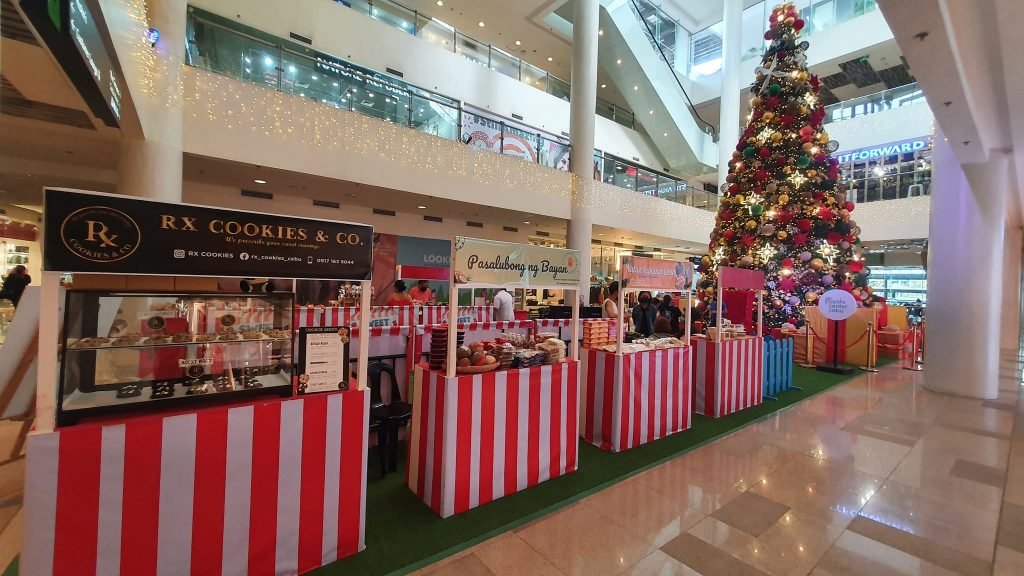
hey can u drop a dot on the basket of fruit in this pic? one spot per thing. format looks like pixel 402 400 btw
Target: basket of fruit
pixel 474 359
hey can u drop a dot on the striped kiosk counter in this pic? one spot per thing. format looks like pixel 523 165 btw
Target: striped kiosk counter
pixel 275 487
pixel 727 375
pixel 476 438
pixel 635 398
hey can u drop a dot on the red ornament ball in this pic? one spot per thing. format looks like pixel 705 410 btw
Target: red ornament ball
pixel 764 152
pixel 798 24
pixel 826 214
pixel 787 262
pixel 729 234
pixel 803 224
pixel 726 215
pixel 748 240
pixel 800 239
pixel 834 238
pixel 850 206
pixel 733 188
pixel 856 266
pixel 762 175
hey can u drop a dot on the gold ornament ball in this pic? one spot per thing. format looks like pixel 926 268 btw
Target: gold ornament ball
pixel 782 234
pixel 817 264
pixel 776 137
pixel 736 155
pixel 807 146
pixel 751 224
pixel 787 170
pixel 811 296
pixel 802 76
pixel 767 116
pixel 783 198
pixel 751 140
pixel 755 101
pixel 812 173
pixel 771 188
pixel 777 303
pixel 747 261
pixel 823 138
pixel 705 261
pixel 804 110
pixel 738 199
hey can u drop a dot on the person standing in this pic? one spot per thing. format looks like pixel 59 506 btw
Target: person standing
pixel 670 312
pixel 14 284
pixel 504 306
pixel 611 303
pixel 643 316
pixel 399 297
pixel 422 293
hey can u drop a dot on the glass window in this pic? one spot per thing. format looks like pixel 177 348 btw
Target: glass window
pixel 395 16
pixel 505 63
pixel 438 33
pixel 471 49
pixel 534 76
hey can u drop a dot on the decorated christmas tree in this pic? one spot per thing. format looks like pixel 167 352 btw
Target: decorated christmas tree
pixel 783 210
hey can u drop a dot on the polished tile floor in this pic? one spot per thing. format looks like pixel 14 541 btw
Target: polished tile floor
pixel 877 476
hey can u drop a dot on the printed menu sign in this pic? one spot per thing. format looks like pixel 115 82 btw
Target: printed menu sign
pixel 103 233
pixel 493 263
pixel 323 359
pixel 652 274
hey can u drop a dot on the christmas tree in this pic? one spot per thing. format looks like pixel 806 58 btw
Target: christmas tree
pixel 783 210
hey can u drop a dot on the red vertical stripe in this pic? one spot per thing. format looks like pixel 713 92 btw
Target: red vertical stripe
pixel 464 442
pixel 208 501
pixel 311 495
pixel 591 383
pixel 557 385
pixel 636 375
pixel 487 414
pixel 723 381
pixel 266 452
pixel 622 404
pixel 139 525
pixel 440 384
pixel 512 432
pixel 78 502
pixel 572 424
pixel 354 419
pixel 667 378
pixel 421 403
pixel 610 403
pixel 533 429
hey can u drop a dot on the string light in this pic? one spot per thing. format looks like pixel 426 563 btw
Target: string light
pixel 753 200
pixel 828 252
pixel 797 179
pixel 766 253
pixel 810 99
pixel 765 136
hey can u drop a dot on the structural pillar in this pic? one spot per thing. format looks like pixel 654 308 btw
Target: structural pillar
pixel 965 283
pixel 729 112
pixel 582 107
pixel 150 163
pixel 1009 334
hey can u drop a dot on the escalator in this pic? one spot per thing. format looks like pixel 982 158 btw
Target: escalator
pixel 633 53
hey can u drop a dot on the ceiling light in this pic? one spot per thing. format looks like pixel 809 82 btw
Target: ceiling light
pixel 651 112
pixel 619 61
pixel 550 59
pixel 335 84
pixel 518 43
pixel 604 85
pixel 526 221
pixel 440 3
pixel 600 32
pixel 636 87
pixel 315 77
pixel 247 61
pixel 665 134
pixel 291 68
pixel 422 207
pixel 481 24
pixel 268 60
pixel 258 181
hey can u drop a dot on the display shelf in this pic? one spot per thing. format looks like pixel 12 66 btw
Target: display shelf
pixel 110 346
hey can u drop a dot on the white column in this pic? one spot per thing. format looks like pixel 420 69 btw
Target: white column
pixel 729 111
pixel 150 163
pixel 583 103
pixel 1009 334
pixel 965 245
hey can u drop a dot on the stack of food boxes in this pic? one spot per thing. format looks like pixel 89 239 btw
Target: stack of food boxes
pixel 597 333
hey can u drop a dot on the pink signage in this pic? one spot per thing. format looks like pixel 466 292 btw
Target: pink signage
pixel 740 279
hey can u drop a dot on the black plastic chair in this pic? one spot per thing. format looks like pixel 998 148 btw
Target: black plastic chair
pixel 390 416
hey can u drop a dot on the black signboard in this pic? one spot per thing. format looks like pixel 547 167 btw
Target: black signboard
pixel 323 364
pixel 103 233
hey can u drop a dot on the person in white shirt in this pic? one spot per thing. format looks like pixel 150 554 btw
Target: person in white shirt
pixel 503 306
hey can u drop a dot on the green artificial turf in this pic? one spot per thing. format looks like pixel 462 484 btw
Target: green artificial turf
pixel 403 534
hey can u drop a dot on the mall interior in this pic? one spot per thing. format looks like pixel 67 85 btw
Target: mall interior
pixel 257 257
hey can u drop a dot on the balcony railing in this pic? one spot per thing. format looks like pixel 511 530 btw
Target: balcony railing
pixel 225 47
pixel 446 36
pixel 907 95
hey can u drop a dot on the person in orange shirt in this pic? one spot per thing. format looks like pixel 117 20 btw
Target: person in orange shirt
pixel 421 293
pixel 399 297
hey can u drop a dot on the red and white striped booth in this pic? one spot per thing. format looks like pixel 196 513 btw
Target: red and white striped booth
pixel 561 325
pixel 439 314
pixel 275 487
pixel 475 331
pixel 635 398
pixel 311 316
pixel 728 375
pixel 476 438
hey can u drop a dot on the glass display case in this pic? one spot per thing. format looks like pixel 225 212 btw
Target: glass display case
pixel 130 351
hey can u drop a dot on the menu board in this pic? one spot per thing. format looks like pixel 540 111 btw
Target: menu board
pixel 323 359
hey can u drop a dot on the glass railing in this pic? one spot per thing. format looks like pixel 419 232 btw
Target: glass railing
pixel 224 47
pixel 444 35
pixel 706 45
pixel 907 95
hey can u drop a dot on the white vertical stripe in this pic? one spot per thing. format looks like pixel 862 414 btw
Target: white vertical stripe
pixel 108 532
pixel 177 491
pixel 450 389
pixel 431 380
pixel 567 413
pixel 238 481
pixel 645 393
pixel 523 438
pixel 544 421
pixel 475 443
pixel 289 486
pixel 674 385
pixel 41 464
pixel 332 480
pixel 500 406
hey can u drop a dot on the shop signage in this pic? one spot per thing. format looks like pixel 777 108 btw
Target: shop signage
pixel 323 359
pixel 904 147
pixel 637 272
pixel 493 263
pixel 103 233
pixel 740 279
pixel 85 34
pixel 837 304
